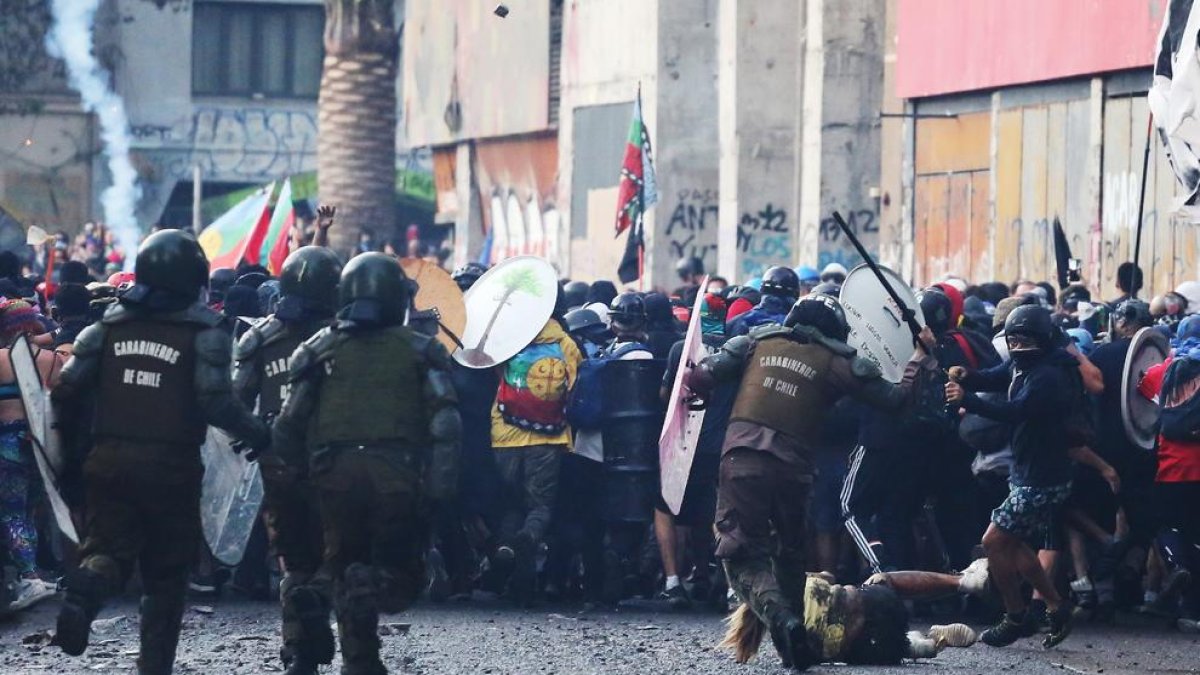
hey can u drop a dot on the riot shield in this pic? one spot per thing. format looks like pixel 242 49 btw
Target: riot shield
pixel 633 419
pixel 877 327
pixel 439 298
pixel 43 436
pixel 681 429
pixel 506 309
pixel 1139 414
pixel 231 495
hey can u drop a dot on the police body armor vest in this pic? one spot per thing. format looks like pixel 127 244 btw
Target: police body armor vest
pixel 783 387
pixel 372 393
pixel 275 359
pixel 147 380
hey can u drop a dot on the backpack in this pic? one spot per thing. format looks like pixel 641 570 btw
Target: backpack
pixel 1180 406
pixel 533 389
pixel 929 414
pixel 585 404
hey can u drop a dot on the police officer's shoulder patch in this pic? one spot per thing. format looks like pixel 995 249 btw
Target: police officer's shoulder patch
pixel 249 344
pixel 768 330
pixel 864 368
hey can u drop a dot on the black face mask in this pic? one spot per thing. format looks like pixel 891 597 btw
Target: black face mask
pixel 1026 358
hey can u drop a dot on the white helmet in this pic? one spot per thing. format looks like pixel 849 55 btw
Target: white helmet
pixel 1190 290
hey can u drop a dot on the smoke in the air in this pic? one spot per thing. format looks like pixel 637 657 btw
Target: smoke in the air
pixel 70 39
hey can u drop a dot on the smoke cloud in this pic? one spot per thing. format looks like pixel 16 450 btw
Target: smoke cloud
pixel 70 39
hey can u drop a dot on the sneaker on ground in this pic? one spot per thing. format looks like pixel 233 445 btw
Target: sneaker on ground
pixel 1061 622
pixel 1082 585
pixel 1008 631
pixel 953 635
pixel 677 597
pixel 28 592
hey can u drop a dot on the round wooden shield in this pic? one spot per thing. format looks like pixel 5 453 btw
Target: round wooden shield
pixel 877 327
pixel 506 309
pixel 437 293
pixel 1139 414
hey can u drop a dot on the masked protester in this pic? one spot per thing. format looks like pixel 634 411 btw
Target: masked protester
pixel 308 282
pixel 780 288
pixel 157 367
pixel 371 415
pixel 789 377
pixel 1044 392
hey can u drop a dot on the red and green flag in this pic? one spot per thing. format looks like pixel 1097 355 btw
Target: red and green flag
pixel 226 239
pixel 637 191
pixel 269 245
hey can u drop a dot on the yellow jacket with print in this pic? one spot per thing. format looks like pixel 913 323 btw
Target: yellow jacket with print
pixel 506 435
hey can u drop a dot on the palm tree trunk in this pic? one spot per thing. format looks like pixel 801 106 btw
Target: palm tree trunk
pixel 356 112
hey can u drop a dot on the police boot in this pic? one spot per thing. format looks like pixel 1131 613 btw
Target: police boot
pixel 85 593
pixel 307 638
pixel 162 615
pixel 791 640
pixel 358 622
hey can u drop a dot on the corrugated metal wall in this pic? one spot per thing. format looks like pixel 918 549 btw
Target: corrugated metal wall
pixel 989 185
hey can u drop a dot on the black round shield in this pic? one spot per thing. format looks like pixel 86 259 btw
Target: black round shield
pixel 1140 414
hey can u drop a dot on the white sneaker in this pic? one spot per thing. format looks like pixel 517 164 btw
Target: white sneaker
pixel 974 579
pixel 29 592
pixel 1082 585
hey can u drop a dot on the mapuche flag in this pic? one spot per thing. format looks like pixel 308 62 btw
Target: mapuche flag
pixel 269 244
pixel 636 192
pixel 226 240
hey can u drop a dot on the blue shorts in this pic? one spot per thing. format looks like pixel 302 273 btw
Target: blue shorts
pixel 1032 513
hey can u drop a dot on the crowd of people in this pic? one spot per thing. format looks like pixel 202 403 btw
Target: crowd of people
pixel 997 471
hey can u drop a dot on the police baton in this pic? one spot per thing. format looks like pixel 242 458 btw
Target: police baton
pixel 910 317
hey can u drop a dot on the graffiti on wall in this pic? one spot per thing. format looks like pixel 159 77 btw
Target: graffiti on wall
pixel 691 230
pixel 764 238
pixel 835 247
pixel 235 144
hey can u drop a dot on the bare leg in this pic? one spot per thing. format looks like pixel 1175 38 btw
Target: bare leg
pixel 1030 568
pixel 1049 562
pixel 668 542
pixel 997 544
pixel 1078 552
pixel 1087 526
pixel 916 585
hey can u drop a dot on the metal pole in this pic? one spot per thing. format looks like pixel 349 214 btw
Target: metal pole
pixel 909 315
pixel 1137 242
pixel 197 192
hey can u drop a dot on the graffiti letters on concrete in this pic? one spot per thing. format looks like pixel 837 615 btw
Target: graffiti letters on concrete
pixel 242 144
pixel 692 228
pixel 764 237
pixel 836 247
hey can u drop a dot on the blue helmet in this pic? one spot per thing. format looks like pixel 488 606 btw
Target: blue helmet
pixel 1082 339
pixel 808 275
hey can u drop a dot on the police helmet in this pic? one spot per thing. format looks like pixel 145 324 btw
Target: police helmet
pixel 310 276
pixel 937 308
pixel 1033 328
pixel 218 283
pixel 828 288
pixel 172 261
pixel 780 282
pixel 627 313
pixel 373 289
pixel 467 275
pixel 835 272
pixel 822 312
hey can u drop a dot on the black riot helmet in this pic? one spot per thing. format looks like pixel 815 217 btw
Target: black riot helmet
pixel 1029 329
pixel 172 261
pixel 822 312
pixel 373 290
pixel 308 282
pixel 829 288
pixel 781 282
pixel 576 294
pixel 1131 315
pixel 689 267
pixel 937 308
pixel 467 275
pixel 627 314
pixel 219 282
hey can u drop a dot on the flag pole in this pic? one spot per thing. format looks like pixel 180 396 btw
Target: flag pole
pixel 1137 241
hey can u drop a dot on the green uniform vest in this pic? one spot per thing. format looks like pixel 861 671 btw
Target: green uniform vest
pixel 275 359
pixel 372 393
pixel 783 387
pixel 147 384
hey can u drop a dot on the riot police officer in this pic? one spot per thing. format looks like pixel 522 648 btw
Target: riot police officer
pixel 789 377
pixel 157 368
pixel 308 284
pixel 371 412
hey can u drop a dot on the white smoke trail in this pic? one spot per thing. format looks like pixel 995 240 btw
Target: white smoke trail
pixel 70 39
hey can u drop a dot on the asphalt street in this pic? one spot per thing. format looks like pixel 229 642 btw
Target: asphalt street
pixel 227 636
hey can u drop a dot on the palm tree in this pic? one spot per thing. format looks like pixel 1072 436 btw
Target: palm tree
pixel 356 112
